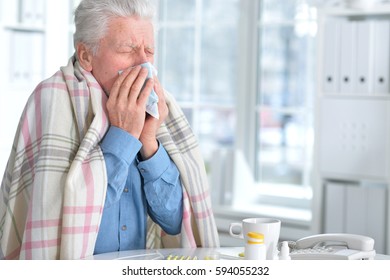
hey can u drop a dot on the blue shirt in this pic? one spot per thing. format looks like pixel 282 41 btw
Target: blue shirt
pixel 135 189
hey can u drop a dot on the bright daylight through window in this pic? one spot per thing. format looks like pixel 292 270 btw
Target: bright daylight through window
pixel 244 72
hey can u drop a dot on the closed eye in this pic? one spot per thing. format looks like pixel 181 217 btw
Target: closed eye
pixel 149 51
pixel 127 49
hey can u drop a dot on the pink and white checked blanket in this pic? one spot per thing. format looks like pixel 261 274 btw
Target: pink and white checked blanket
pixel 53 191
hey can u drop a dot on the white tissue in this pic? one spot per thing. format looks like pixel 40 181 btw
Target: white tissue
pixel 151 105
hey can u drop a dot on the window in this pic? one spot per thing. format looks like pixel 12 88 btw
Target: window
pixel 285 94
pixel 197 63
pixel 244 72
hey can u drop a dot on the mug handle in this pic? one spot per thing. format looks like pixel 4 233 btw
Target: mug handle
pixel 233 225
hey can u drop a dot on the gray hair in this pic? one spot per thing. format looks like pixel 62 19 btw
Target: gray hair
pixel 92 16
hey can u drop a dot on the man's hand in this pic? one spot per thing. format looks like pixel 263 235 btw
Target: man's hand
pixel 149 132
pixel 126 103
pixel 126 107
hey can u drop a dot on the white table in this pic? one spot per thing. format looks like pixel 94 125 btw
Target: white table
pixel 223 253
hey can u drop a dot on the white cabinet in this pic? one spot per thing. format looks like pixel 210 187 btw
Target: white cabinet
pixel 35 38
pixel 352 147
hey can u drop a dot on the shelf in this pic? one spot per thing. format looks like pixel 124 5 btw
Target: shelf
pixel 25 28
pixel 356 177
pixel 379 10
pixel 351 135
pixel 357 96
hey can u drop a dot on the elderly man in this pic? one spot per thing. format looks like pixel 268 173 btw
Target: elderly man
pixel 91 171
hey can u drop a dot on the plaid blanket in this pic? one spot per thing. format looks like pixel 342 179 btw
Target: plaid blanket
pixel 53 191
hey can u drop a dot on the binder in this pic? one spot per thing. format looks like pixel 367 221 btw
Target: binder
pixel 37 57
pixel 365 212
pixel 334 207
pixel 19 58
pixel 363 57
pixel 376 211
pixel 27 12
pixel 32 12
pixel 356 210
pixel 381 30
pixel 39 12
pixel 26 59
pixel 348 57
pixel 332 37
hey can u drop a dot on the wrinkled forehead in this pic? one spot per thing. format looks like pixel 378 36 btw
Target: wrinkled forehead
pixel 131 31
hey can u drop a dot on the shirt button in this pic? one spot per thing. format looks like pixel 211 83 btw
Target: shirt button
pixel 124 227
pixel 126 190
pixel 142 170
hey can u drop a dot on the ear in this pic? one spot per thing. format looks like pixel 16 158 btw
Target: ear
pixel 85 57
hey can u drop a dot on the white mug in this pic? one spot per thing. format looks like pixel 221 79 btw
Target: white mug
pixel 269 227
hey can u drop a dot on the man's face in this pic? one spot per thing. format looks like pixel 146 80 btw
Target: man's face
pixel 128 42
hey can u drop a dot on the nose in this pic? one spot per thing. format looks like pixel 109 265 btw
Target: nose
pixel 142 57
